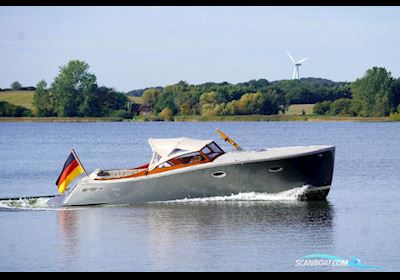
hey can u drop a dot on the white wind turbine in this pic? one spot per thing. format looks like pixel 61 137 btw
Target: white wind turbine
pixel 296 70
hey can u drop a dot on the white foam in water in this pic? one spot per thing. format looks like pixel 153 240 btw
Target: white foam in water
pixel 290 195
pixel 26 203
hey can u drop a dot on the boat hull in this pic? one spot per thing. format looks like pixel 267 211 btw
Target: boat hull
pixel 262 176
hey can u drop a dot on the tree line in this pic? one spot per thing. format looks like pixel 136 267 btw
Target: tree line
pixel 252 97
pixel 75 93
pixel 376 94
pixel 17 86
pixel 215 99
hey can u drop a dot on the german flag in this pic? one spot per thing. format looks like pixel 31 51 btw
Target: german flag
pixel 71 170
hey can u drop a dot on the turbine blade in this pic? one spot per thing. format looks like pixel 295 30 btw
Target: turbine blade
pixel 291 57
pixel 304 59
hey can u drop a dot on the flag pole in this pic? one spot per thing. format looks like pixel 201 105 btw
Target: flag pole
pixel 79 161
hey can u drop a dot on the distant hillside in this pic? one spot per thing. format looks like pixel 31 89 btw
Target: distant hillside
pixel 30 88
pixel 315 81
pixel 257 84
pixel 139 92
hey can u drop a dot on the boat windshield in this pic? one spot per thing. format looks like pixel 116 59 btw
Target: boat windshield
pixel 207 154
pixel 212 151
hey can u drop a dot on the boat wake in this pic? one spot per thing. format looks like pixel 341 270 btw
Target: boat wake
pixel 40 203
pixel 290 195
pixel 25 203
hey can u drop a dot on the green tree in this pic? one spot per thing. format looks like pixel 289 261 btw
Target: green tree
pixel 16 85
pixel 274 101
pixel 312 90
pixel 212 97
pixel 212 103
pixel 188 102
pixel 43 100
pixel 341 106
pixel 166 114
pixel 73 87
pixel 396 92
pixel 382 106
pixel 166 99
pixel 150 96
pixel 186 98
pixel 395 116
pixel 322 108
pixel 105 102
pixel 212 109
pixel 11 110
pixel 373 94
pixel 229 109
pixel 250 103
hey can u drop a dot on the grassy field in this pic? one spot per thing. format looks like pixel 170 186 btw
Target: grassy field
pixel 18 97
pixel 297 109
pixel 25 98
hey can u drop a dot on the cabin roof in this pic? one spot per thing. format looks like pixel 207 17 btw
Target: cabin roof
pixel 166 149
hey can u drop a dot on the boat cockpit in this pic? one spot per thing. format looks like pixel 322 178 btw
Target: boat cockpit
pixel 168 154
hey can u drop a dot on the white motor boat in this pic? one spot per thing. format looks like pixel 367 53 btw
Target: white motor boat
pixel 191 168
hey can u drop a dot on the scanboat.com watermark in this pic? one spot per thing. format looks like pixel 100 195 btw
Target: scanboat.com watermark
pixel 323 260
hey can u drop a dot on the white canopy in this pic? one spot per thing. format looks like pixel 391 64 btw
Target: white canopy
pixel 166 149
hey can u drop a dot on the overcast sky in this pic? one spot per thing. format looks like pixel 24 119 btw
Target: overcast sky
pixel 135 47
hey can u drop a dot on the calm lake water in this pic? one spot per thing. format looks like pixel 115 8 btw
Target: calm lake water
pixel 250 232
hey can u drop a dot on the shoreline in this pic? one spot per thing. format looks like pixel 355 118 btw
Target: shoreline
pixel 236 118
pixel 55 119
pixel 306 118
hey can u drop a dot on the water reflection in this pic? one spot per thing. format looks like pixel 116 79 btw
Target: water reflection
pixel 69 227
pixel 193 236
pixel 212 235
pixel 238 213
